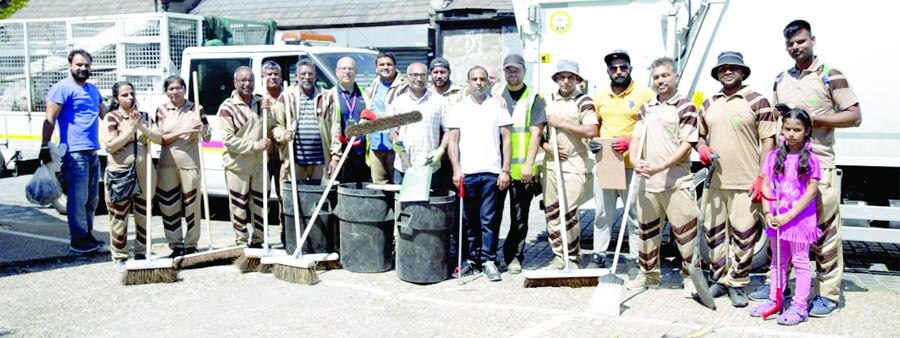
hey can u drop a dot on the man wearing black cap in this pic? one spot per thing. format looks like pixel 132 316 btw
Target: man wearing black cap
pixel 440 81
pixel 527 110
pixel 828 98
pixel 740 125
pixel 617 108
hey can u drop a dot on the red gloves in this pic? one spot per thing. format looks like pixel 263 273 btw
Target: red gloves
pixel 367 114
pixel 344 141
pixel 706 154
pixel 621 144
pixel 756 191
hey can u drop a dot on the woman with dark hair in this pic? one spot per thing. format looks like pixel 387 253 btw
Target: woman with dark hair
pixel 180 122
pixel 126 139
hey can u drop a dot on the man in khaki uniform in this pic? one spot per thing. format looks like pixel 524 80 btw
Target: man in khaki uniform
pixel 303 128
pixel 242 133
pixel 738 124
pixel 271 76
pixel 571 112
pixel 381 93
pixel 667 125
pixel 828 98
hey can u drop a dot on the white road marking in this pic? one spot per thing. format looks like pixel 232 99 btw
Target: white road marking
pixel 363 288
pixel 540 328
pixel 25 234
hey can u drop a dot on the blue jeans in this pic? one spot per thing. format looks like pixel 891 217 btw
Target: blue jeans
pixel 481 219
pixel 82 172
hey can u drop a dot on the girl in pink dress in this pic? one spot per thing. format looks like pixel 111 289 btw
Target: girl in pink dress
pixel 792 174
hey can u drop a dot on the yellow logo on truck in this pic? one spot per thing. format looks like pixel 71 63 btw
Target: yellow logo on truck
pixel 560 21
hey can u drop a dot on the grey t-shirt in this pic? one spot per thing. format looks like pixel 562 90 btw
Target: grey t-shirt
pixel 538 116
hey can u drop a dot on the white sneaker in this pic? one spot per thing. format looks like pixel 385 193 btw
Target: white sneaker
pixel 119 265
pixel 642 282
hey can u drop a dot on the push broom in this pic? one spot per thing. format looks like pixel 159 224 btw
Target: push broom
pixel 568 276
pixel 299 268
pixel 149 270
pixel 607 296
pixel 211 256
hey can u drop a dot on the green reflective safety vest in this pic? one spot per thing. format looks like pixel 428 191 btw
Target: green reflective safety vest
pixel 521 135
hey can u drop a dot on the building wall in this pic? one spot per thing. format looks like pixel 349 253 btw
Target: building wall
pixel 466 48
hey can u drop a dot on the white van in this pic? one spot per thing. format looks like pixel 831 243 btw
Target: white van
pixel 216 65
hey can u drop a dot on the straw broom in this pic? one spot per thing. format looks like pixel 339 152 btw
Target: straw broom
pixel 211 256
pixel 149 270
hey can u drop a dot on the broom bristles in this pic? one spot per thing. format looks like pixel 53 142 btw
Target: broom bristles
pixel 150 276
pixel 247 264
pixel 264 268
pixel 209 258
pixel 296 275
pixel 571 282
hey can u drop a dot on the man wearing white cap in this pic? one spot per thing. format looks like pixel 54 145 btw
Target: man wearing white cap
pixel 571 113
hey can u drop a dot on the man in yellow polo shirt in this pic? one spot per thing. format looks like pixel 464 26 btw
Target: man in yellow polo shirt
pixel 617 108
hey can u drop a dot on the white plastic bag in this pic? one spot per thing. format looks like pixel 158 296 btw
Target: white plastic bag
pixel 43 188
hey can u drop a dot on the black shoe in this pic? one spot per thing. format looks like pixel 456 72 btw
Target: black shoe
pixel 176 252
pixel 255 245
pixel 188 251
pixel 717 290
pixel 468 268
pixel 738 297
pixel 90 247
pixel 139 257
pixel 596 261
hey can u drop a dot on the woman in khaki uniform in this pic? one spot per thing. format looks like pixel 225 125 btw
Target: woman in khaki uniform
pixel 180 122
pixel 125 126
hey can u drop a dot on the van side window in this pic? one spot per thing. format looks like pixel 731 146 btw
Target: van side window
pixel 216 78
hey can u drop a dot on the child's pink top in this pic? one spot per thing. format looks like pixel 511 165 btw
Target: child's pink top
pixel 789 188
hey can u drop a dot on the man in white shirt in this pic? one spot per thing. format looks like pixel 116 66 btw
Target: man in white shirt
pixel 478 128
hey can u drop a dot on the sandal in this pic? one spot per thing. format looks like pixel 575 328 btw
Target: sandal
pixel 793 316
pixel 757 311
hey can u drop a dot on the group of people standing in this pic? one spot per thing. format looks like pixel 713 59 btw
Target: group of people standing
pixel 775 164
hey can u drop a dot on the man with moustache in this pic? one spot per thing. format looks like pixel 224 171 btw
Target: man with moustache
pixel 617 108
pixel 273 104
pixel 347 105
pixel 381 94
pixel 78 107
pixel 738 125
pixel 245 140
pixel 303 128
pixel 441 83
pixel 480 155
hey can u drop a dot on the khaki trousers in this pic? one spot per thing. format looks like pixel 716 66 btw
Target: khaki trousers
pixel 574 185
pixel 245 196
pixel 679 207
pixel 731 226
pixel 177 192
pixel 381 165
pixel 118 219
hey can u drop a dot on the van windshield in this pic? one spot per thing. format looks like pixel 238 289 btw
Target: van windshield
pixel 365 65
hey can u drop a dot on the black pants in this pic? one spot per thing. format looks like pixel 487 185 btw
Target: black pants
pixel 520 196
pixel 355 169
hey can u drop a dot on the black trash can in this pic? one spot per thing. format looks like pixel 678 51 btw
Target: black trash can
pixel 323 236
pixel 423 246
pixel 366 228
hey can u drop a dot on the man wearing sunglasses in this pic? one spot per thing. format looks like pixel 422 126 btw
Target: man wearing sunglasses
pixel 617 108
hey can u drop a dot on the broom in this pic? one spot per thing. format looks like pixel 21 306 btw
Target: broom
pixel 608 294
pixel 149 270
pixel 251 259
pixel 694 271
pixel 211 256
pixel 297 267
pixel 779 289
pixel 569 276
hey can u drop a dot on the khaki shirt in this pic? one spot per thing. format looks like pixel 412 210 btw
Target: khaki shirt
pixel 578 109
pixel 123 157
pixel 183 152
pixel 669 124
pixel 241 130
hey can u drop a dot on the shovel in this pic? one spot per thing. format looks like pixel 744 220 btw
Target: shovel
pixel 696 274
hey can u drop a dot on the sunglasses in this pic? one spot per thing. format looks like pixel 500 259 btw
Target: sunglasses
pixel 622 66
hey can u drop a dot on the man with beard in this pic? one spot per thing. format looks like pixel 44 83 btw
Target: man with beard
pixel 617 108
pixel 526 108
pixel 347 106
pixel 381 94
pixel 441 84
pixel 303 128
pixel 826 95
pixel 480 155
pixel 244 139
pixel 78 106
pixel 740 124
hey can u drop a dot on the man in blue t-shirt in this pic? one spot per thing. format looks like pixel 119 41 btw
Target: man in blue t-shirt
pixel 78 107
pixel 381 93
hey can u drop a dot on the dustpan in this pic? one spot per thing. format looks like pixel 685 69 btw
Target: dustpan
pixel 416 185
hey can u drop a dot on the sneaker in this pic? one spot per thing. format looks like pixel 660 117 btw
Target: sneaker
pixel 758 310
pixel 139 257
pixel 468 269
pixel 176 252
pixel 119 265
pixel 717 290
pixel 514 267
pixel 556 264
pixel 188 251
pixel 738 297
pixel 792 316
pixel 689 290
pixel 823 307
pixel 762 293
pixel 91 247
pixel 643 282
pixel 596 261
pixel 490 271
pixel 255 245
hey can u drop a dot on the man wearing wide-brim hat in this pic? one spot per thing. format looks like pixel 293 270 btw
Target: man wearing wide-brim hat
pixel 737 124
pixel 571 113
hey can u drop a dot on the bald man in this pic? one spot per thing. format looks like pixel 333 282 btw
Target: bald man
pixel 346 102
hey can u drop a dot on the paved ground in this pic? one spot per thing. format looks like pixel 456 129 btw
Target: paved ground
pixel 45 291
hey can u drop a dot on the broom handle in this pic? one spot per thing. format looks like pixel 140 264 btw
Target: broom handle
pixel 265 178
pixel 205 205
pixel 148 210
pixel 632 192
pixel 324 197
pixel 561 197
pixel 462 210
pixel 288 104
